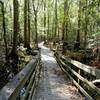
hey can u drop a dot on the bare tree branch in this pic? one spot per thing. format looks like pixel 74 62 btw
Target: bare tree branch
pixel 37 8
pixel 33 5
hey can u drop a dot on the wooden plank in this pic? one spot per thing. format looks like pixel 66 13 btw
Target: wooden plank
pixel 12 89
pixel 79 72
pixel 81 89
pixel 29 86
pixel 32 80
pixel 77 85
pixel 32 92
pixel 89 69
pixel 82 78
pixel 33 88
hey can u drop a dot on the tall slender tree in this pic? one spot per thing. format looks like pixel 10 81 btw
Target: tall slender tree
pixel 13 55
pixel 25 23
pixel 65 27
pixel 66 20
pixel 4 29
pixel 56 19
pixel 86 23
pixel 36 8
pixel 15 26
pixel 28 24
pixel 48 14
pixel 44 16
pixel 77 44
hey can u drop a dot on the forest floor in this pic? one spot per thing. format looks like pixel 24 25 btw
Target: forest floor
pixel 54 84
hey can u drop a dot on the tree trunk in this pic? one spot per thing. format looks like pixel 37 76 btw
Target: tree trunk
pixel 13 55
pixel 36 34
pixel 56 18
pixel 28 25
pixel 86 22
pixel 48 34
pixel 15 26
pixel 44 16
pixel 25 23
pixel 66 20
pixel 77 44
pixel 4 29
pixel 65 28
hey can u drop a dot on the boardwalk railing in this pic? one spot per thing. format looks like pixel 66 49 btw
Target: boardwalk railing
pixel 23 85
pixel 81 75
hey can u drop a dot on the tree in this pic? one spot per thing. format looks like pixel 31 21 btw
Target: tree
pixel 65 27
pixel 65 30
pixel 25 23
pixel 77 44
pixel 15 27
pixel 29 25
pixel 56 19
pixel 44 16
pixel 4 29
pixel 86 23
pixel 48 21
pixel 13 55
pixel 39 2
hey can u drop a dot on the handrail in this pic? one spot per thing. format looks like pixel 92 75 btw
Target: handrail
pixel 24 79
pixel 91 70
pixel 70 72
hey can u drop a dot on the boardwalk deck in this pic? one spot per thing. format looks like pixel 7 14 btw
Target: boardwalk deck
pixel 54 85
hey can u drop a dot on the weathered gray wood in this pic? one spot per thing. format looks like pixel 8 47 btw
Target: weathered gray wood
pixel 29 86
pixel 33 88
pixel 12 89
pixel 96 81
pixel 79 72
pixel 80 88
pixel 83 79
pixel 34 76
pixel 77 85
pixel 90 84
pixel 89 69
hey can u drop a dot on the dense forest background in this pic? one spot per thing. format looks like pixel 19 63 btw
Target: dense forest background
pixel 74 25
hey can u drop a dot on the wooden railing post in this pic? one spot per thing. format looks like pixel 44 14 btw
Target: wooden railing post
pixel 79 72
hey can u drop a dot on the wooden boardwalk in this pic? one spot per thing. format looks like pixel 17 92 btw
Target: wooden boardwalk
pixel 54 85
